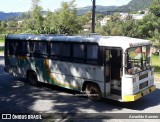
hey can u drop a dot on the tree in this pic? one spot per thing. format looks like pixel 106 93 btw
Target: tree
pixel 115 17
pixel 128 27
pixel 1 29
pixel 49 25
pixel 3 26
pixel 68 21
pixel 99 16
pixel 155 8
pixel 35 23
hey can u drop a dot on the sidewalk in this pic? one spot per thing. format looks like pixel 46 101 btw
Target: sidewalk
pixel 1 44
pixel 157 79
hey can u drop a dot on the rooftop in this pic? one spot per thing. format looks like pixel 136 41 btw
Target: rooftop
pixel 112 41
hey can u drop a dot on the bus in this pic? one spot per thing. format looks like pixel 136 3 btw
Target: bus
pixel 114 67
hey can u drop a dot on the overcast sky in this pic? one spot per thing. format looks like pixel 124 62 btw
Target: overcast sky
pixel 25 5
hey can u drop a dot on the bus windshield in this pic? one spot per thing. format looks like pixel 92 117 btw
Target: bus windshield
pixel 138 59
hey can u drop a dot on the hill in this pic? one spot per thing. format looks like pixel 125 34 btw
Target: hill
pixel 99 9
pixel 135 5
pixel 6 16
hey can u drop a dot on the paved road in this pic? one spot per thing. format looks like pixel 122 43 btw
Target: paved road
pixel 16 95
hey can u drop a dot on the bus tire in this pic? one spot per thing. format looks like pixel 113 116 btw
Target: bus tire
pixel 32 78
pixel 93 92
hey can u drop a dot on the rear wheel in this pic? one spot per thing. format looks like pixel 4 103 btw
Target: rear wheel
pixel 32 78
pixel 93 92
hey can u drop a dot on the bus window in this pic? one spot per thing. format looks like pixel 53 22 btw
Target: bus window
pixel 92 54
pixel 55 50
pixel 12 47
pixel 66 52
pixel 79 52
pixel 22 48
pixel 39 48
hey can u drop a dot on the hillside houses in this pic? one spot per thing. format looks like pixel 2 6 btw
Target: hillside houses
pixel 104 21
pixel 123 17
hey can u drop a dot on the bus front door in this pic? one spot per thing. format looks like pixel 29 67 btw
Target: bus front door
pixel 107 72
pixel 113 58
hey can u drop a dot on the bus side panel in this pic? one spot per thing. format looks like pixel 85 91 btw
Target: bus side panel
pixel 73 75
pixel 64 74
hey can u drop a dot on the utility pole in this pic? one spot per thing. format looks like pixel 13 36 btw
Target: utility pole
pixel 93 15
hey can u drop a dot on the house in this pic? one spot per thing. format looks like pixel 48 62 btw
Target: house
pixel 137 16
pixel 123 16
pixel 105 20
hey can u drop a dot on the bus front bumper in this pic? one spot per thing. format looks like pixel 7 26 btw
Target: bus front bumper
pixel 130 98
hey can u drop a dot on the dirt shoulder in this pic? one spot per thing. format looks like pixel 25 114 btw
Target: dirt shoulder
pixel 157 78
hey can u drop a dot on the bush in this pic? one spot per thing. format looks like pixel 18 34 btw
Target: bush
pixel 2 36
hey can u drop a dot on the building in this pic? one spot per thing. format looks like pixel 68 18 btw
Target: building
pixel 105 20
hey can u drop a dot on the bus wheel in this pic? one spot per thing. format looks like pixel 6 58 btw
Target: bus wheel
pixel 32 78
pixel 93 92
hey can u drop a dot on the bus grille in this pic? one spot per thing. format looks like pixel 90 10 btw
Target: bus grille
pixel 143 76
pixel 143 85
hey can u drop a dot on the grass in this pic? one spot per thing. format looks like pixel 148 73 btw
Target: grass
pixel 1 47
pixel 156 64
pixel 1 40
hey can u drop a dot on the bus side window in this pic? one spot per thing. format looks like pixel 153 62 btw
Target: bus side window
pixel 55 50
pixel 12 47
pixel 40 49
pixel 9 48
pixel 66 52
pixel 22 48
pixel 92 54
pixel 78 52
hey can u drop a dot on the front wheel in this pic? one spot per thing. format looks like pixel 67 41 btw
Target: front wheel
pixel 32 78
pixel 93 92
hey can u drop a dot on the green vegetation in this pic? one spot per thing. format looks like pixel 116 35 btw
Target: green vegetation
pixel 156 64
pixel 1 40
pixel 63 21
pixel 136 5
pixel 1 49
pixel 146 28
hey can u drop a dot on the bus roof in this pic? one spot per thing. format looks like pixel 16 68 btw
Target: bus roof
pixel 111 41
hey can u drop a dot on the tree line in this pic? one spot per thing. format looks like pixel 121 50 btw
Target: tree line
pixel 62 21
